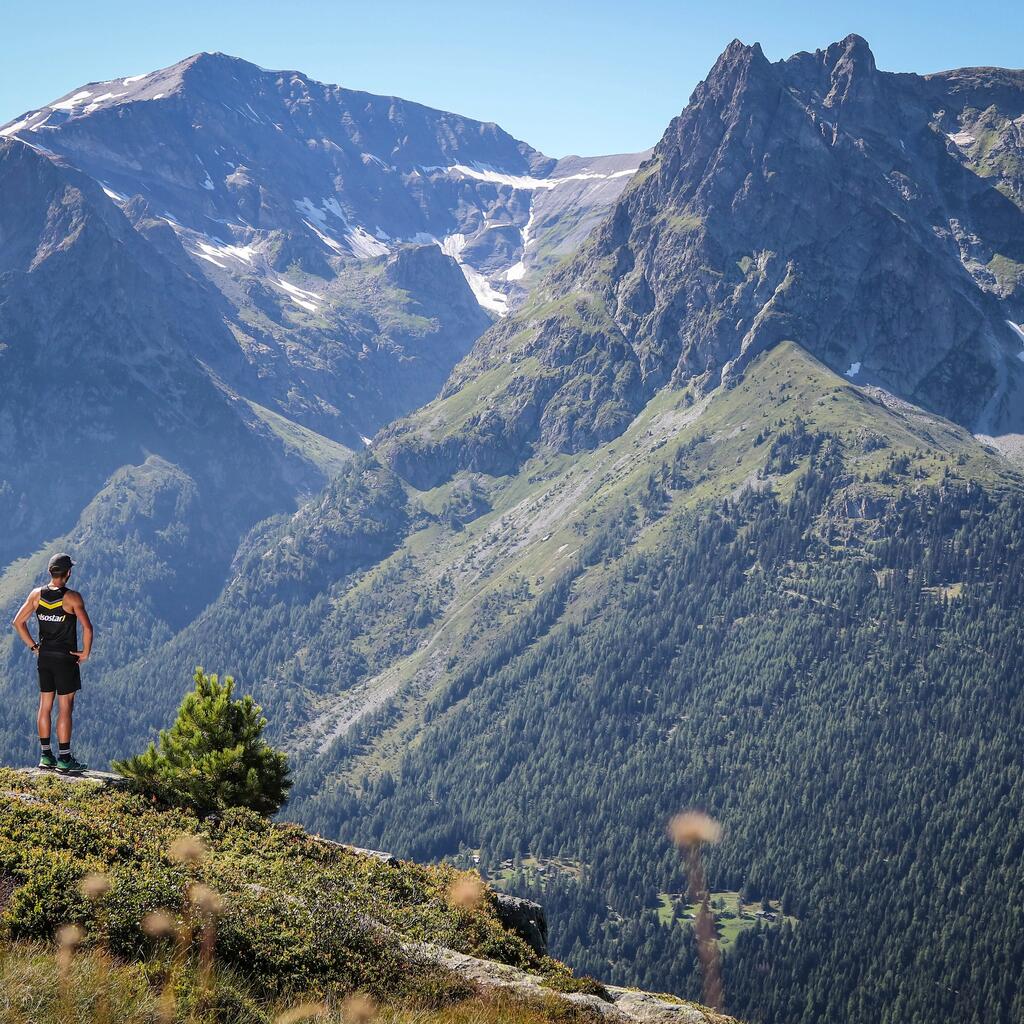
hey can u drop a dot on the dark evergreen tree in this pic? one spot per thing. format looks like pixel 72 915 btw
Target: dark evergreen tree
pixel 214 756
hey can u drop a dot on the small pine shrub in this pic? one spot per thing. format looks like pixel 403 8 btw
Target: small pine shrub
pixel 214 756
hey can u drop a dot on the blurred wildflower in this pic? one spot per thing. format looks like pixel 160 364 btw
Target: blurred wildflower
pixel 358 1008
pixel 691 828
pixel 94 886
pixel 69 938
pixel 466 892
pixel 188 850
pixel 158 923
pixel 205 900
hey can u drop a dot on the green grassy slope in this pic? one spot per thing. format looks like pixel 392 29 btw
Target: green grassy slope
pixel 299 920
pixel 485 576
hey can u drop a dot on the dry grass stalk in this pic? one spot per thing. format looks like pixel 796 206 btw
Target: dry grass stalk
pixel 94 886
pixel 209 906
pixel 161 924
pixel 690 831
pixel 69 938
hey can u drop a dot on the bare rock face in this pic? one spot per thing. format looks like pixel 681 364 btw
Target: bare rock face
pixel 816 200
pixel 524 917
pixel 620 1006
pixel 284 198
pixel 97 323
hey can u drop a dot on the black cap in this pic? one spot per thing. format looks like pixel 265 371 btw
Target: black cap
pixel 60 563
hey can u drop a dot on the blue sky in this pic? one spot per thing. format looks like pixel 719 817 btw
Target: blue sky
pixel 568 77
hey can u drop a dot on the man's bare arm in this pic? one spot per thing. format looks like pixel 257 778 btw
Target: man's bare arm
pixel 20 622
pixel 77 606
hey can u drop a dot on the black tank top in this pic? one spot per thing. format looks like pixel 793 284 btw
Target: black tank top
pixel 58 629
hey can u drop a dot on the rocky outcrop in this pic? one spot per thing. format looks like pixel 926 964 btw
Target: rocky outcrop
pixel 524 917
pixel 106 780
pixel 621 1006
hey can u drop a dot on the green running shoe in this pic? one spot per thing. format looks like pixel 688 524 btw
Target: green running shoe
pixel 70 766
pixel 48 761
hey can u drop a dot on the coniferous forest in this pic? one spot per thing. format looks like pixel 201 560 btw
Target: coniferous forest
pixel 843 695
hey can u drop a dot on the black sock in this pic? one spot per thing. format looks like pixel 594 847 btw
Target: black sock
pixel 65 749
pixel 44 742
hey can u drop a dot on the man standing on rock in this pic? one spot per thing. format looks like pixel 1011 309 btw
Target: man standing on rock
pixel 58 612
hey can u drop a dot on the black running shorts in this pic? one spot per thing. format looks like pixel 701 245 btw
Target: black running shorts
pixel 60 673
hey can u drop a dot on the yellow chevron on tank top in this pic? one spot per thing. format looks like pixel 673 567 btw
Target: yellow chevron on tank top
pixel 58 626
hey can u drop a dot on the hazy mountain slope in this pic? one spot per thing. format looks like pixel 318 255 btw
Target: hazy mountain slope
pixel 228 352
pixel 119 441
pixel 290 195
pixel 103 352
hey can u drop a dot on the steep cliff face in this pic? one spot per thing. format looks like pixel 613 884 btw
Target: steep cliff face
pixel 816 200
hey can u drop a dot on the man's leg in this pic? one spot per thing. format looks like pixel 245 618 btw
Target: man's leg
pixel 65 714
pixel 45 711
pixel 67 764
pixel 43 726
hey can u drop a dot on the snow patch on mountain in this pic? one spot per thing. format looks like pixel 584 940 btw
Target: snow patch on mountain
pixel 853 370
pixel 210 259
pixel 242 253
pixel 101 99
pixel 326 239
pixel 486 294
pixel 300 296
pixel 960 139
pixel 16 127
pixel 360 242
pixel 518 270
pixel 30 121
pixel 363 244
pixel 484 172
pixel 1018 329
pixel 72 101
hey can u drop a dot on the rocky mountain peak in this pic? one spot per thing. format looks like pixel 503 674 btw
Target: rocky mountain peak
pixel 852 75
pixel 738 68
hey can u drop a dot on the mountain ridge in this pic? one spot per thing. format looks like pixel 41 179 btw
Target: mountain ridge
pixel 732 260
